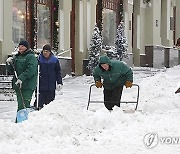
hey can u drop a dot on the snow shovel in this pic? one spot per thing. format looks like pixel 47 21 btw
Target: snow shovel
pixel 177 91
pixel 23 113
pixel 132 102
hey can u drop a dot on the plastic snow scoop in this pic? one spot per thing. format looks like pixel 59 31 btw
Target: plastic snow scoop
pixel 131 102
pixel 22 115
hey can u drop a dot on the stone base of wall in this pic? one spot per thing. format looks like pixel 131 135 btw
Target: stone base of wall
pixel 149 56
pixel 65 66
pixel 154 56
pixel 85 70
pixel 158 57
pixel 172 57
pixel 143 60
pixel 129 59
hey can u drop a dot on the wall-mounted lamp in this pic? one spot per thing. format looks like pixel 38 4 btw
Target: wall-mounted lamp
pixel 147 2
pixel 57 23
pixel 22 16
pixel 19 12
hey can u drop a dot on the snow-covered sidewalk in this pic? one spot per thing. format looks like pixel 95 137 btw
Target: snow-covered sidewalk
pixel 66 127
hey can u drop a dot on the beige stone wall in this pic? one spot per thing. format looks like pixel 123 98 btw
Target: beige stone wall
pixel 166 33
pixel 152 23
pixel 85 19
pixel 177 19
pixel 136 37
pixel 156 22
pixel 151 27
pixel 81 37
pixel 64 29
pixel 128 23
pixel 6 44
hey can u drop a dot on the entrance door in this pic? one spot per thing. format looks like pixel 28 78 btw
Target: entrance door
pixel 111 16
pixel 19 21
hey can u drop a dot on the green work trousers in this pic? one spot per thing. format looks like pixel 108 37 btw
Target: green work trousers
pixel 24 95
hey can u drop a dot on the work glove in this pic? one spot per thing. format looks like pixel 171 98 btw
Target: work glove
pixel 19 83
pixel 59 87
pixel 9 61
pixel 128 84
pixel 98 84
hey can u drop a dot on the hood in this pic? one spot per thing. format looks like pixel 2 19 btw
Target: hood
pixel 105 60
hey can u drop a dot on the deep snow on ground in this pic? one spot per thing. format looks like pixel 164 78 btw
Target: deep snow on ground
pixel 65 126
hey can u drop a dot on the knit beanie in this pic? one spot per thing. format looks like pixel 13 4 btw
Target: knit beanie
pixel 24 43
pixel 47 47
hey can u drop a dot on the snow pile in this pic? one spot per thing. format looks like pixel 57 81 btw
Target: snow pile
pixel 58 127
pixel 158 94
pixel 66 127
pixel 103 119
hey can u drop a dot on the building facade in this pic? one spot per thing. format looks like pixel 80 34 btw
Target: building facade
pixel 151 27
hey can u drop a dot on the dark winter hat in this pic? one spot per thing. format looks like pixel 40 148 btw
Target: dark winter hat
pixel 24 43
pixel 47 47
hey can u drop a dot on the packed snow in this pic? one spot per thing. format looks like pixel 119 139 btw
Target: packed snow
pixel 65 126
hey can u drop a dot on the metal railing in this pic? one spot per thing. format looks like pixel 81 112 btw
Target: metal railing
pixel 63 51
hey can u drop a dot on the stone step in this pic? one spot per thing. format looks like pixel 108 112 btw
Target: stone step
pixel 6 91
pixel 7 97
pixel 6 77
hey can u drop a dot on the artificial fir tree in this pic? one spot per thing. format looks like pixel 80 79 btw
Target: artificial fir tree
pixel 121 42
pixel 112 53
pixel 95 49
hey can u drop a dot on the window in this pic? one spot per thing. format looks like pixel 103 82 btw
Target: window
pixel 109 27
pixel 111 17
pixel 43 25
pixel 19 21
pixel 24 28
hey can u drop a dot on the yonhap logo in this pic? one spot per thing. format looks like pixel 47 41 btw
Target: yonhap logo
pixel 151 140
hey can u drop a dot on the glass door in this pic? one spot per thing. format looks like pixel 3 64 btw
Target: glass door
pixel 43 25
pixel 19 21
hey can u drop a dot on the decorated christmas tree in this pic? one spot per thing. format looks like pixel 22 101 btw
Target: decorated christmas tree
pixel 111 52
pixel 121 42
pixel 94 49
